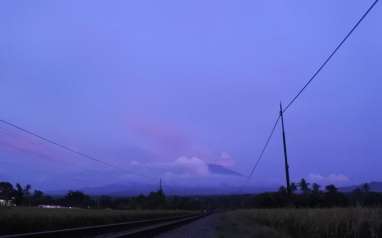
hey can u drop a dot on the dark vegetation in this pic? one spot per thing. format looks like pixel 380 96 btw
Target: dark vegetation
pixel 303 195
pixel 24 196
pixel 321 213
pixel 353 222
pixel 73 209
pixel 30 219
pixel 354 214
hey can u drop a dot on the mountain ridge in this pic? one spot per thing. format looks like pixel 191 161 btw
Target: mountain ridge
pixel 374 186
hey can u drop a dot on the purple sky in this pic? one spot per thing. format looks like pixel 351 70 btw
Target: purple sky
pixel 160 88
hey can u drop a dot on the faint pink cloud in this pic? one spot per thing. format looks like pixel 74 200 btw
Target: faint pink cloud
pixel 164 140
pixel 225 160
pixel 26 145
pixel 183 166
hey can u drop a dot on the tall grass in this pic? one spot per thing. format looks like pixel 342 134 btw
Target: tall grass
pixel 24 219
pixel 303 223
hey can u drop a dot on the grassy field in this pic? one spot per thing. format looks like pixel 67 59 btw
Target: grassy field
pixel 302 223
pixel 23 219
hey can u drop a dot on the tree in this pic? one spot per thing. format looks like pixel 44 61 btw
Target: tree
pixel 333 197
pixel 104 201
pixel 366 188
pixel 331 189
pixel 39 198
pixel 77 199
pixel 37 194
pixel 304 186
pixel 293 187
pixel 22 194
pixel 156 200
pixel 282 190
pixel 6 190
pixel 357 197
pixel 315 196
pixel 316 188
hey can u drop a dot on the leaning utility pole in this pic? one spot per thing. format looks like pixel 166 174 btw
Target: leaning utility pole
pixel 285 151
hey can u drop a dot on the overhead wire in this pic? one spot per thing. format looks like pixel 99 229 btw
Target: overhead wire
pixel 309 81
pixel 330 56
pixel 54 143
pixel 264 147
pixel 67 148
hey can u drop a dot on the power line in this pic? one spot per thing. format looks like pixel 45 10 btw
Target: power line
pixel 56 143
pixel 264 147
pixel 309 81
pixel 331 55
pixel 67 148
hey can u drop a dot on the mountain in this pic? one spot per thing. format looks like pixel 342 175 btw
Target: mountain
pixel 126 189
pixel 374 186
pixel 118 190
pixel 218 169
pixel 133 189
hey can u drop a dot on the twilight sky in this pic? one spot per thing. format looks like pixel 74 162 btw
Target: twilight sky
pixel 161 88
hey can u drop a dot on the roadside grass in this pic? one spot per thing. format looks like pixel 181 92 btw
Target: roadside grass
pixel 302 223
pixel 242 224
pixel 27 219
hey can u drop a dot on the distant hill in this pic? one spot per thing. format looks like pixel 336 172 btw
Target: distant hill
pixel 134 188
pixel 129 189
pixel 118 189
pixel 374 186
pixel 218 169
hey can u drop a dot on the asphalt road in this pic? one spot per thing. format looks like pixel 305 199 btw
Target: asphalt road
pixel 202 228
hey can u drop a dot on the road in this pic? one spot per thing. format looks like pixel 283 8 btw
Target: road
pixel 202 228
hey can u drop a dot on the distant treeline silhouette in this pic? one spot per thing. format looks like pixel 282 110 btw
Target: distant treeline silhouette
pixel 302 195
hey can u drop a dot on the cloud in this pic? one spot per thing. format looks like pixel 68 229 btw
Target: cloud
pixel 183 166
pixel 190 165
pixel 331 178
pixel 31 147
pixel 163 139
pixel 225 160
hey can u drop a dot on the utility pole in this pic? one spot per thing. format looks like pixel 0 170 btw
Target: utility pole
pixel 285 151
pixel 160 185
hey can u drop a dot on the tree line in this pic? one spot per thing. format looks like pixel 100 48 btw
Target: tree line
pixel 20 195
pixel 302 194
